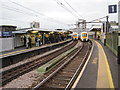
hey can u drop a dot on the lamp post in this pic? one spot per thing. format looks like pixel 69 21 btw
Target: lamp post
pixel 106 30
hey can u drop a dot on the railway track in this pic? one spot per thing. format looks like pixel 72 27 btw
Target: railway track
pixel 15 72
pixel 65 75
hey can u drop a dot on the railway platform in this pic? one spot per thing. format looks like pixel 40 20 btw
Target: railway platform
pixel 100 71
pixel 13 56
pixel 23 49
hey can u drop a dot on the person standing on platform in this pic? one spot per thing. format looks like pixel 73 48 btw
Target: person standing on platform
pixel 98 37
pixel 27 43
pixel 30 43
pixel 36 40
pixel 24 41
pixel 39 41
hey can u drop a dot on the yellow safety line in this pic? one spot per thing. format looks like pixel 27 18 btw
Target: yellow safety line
pixel 23 50
pixel 18 51
pixel 108 68
pixel 83 69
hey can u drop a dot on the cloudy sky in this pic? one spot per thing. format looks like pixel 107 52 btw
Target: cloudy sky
pixel 53 13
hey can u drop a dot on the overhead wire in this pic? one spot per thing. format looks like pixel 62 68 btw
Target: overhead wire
pixel 16 10
pixel 98 19
pixel 5 18
pixel 25 7
pixel 73 9
pixel 65 7
pixel 35 12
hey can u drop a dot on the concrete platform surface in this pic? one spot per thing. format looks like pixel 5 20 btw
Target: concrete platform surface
pixel 101 70
pixel 23 49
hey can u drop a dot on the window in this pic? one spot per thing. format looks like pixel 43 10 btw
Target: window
pixel 75 35
pixel 84 35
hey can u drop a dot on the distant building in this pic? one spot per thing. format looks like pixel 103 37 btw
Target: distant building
pixel 35 24
pixel 7 28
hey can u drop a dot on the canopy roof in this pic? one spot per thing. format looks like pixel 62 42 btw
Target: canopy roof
pixel 36 29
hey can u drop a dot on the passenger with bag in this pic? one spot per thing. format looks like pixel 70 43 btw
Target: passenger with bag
pixel 27 43
pixel 37 41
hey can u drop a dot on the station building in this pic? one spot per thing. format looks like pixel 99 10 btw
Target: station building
pixel 110 37
pixel 6 37
pixel 11 38
pixel 96 31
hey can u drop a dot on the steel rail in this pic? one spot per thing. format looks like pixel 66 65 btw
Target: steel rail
pixel 70 83
pixel 52 74
pixel 21 72
pixel 78 70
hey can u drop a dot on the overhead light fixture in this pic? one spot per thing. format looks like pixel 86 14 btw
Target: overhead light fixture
pixel 51 32
pixel 34 31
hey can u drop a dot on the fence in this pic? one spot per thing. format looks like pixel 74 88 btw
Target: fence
pixel 112 41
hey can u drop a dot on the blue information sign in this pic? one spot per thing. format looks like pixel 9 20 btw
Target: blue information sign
pixel 112 8
pixel 6 33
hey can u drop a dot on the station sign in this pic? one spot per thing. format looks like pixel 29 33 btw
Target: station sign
pixel 112 8
pixel 6 33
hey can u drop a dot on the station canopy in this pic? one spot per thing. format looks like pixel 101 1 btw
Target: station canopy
pixel 25 30
pixel 96 28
